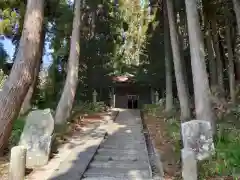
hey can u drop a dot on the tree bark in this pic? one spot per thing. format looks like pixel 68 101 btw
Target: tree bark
pixel 211 58
pixel 27 105
pixel 200 79
pixel 65 104
pixel 236 5
pixel 181 84
pixel 22 74
pixel 219 63
pixel 231 73
pixel 182 40
pixel 168 64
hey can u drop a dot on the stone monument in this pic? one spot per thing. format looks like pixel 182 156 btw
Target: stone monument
pixel 37 137
pixel 197 136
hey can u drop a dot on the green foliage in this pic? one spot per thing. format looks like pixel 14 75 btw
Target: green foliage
pixel 12 16
pixel 226 161
pixel 89 107
pixel 152 109
pixel 17 131
pixel 3 78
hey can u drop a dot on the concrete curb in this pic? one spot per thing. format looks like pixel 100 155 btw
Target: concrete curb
pixel 154 155
pixel 146 146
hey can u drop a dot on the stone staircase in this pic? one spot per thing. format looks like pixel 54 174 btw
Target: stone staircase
pixel 123 155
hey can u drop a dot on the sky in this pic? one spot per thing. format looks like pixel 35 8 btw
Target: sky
pixel 10 48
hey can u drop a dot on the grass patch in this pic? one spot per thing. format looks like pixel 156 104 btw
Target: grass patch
pixel 226 161
pixel 173 126
pixel 17 131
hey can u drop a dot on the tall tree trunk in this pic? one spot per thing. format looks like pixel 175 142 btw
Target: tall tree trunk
pixel 219 63
pixel 168 64
pixel 200 79
pixel 27 105
pixel 236 4
pixel 65 104
pixel 211 58
pixel 230 58
pixel 182 41
pixel 22 74
pixel 181 84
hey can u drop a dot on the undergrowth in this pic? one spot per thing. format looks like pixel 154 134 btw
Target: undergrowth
pixel 16 131
pixel 226 160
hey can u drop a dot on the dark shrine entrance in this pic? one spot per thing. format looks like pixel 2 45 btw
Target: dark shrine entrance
pixel 128 94
pixel 133 101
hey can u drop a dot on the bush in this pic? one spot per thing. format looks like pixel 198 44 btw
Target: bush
pixel 151 108
pixel 16 131
pixel 89 107
pixel 226 161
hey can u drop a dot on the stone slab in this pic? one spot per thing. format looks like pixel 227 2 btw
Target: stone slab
pixel 124 174
pixel 138 157
pixel 37 137
pixel 197 135
pixel 126 164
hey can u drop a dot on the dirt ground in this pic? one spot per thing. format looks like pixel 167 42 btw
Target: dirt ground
pixel 79 121
pixel 164 144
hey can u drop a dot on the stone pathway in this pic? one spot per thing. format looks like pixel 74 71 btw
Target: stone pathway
pixel 123 155
pixel 74 156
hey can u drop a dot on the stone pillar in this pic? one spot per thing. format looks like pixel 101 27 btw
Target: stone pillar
pixel 112 97
pixel 152 96
pixel 189 165
pixel 17 163
pixel 156 99
pixel 114 100
pixel 94 96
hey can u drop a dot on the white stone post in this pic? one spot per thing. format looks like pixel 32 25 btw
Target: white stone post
pixel 17 163
pixel 189 165
pixel 152 96
pixel 156 95
pixel 94 96
pixel 114 100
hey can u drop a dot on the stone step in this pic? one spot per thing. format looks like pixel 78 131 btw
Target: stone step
pixel 129 124
pixel 116 157
pixel 133 129
pixel 122 154
pixel 127 164
pixel 128 132
pixel 118 173
pixel 122 143
pixel 127 140
pixel 126 136
pixel 114 178
pixel 123 146
pixel 130 151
